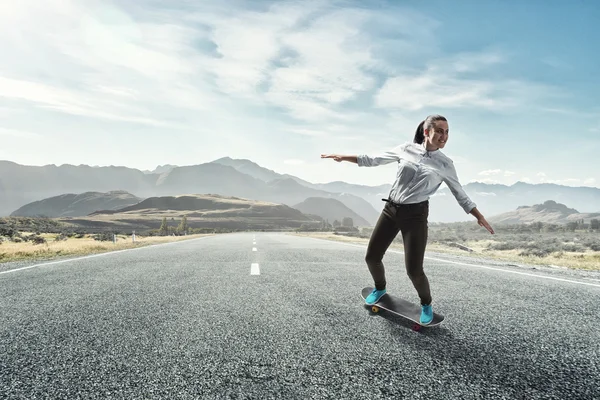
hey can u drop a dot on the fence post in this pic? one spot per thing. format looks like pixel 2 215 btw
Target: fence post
pixel 133 236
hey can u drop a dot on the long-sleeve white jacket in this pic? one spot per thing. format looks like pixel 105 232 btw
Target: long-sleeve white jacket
pixel 420 174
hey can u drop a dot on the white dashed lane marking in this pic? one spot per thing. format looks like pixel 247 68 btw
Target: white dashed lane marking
pixel 254 268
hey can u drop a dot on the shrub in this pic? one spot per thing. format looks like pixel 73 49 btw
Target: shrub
pixel 535 252
pixel 560 254
pixel 572 248
pixel 60 237
pixel 8 230
pixel 504 246
pixel 37 239
pixel 104 237
pixel 594 246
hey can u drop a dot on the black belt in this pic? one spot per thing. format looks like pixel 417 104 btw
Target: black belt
pixel 398 205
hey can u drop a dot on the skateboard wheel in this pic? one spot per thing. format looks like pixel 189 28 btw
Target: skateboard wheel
pixel 416 327
pixel 375 309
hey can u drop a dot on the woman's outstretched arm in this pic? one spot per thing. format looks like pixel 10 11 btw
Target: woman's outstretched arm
pixel 340 158
pixel 365 160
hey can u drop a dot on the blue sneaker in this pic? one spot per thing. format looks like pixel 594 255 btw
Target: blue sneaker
pixel 374 296
pixel 426 314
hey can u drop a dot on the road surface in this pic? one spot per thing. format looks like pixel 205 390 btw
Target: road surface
pixel 276 316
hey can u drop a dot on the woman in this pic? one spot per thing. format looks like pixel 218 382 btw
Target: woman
pixel 422 168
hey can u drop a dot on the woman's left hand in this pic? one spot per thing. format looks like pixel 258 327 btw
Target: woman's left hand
pixel 482 222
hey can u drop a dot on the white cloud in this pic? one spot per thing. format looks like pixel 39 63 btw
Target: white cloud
pixel 426 90
pixel 443 84
pixel 119 91
pixel 470 62
pixel 490 172
pixel 438 89
pixel 496 172
pixel 68 101
pixel 307 132
pixel 19 133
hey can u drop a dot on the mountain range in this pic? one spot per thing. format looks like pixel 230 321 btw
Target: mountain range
pixel 22 184
pixel 549 212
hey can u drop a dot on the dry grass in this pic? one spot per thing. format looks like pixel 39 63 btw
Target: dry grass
pixel 590 260
pixel 10 251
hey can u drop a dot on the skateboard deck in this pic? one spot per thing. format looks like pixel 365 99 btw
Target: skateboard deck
pixel 401 307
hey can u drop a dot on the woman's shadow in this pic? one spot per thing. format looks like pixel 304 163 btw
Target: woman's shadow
pixel 501 360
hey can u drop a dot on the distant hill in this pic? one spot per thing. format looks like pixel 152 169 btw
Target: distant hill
pixel 256 171
pixel 291 192
pixel 330 209
pixel 160 169
pixel 76 205
pixel 548 212
pixel 209 178
pixel 201 211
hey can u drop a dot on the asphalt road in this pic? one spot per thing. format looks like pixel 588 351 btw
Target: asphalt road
pixel 282 318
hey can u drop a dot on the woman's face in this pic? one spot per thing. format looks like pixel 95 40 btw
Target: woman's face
pixel 438 135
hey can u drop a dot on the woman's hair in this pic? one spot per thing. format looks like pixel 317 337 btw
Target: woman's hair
pixel 426 124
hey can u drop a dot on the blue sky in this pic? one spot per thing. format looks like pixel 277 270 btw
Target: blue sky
pixel 142 84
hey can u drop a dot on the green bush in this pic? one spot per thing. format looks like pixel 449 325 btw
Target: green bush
pixel 535 252
pixel 574 248
pixel 61 237
pixel 504 245
pixel 36 239
pixel 104 237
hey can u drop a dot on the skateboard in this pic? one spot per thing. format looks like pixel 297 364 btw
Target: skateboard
pixel 401 307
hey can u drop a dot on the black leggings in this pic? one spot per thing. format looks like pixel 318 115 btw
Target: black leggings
pixel 411 220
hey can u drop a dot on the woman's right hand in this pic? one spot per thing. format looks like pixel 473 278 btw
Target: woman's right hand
pixel 336 157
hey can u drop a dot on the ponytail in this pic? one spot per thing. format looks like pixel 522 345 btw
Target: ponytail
pixel 419 135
